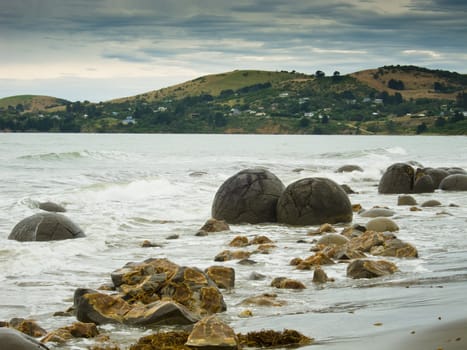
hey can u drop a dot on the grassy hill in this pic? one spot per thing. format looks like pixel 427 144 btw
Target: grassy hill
pixel 34 103
pixel 214 84
pixel 386 100
pixel 417 82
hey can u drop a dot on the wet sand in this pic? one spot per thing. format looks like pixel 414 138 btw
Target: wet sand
pixel 439 323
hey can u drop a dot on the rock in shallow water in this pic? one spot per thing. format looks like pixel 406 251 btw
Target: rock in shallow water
pixel 45 227
pixel 11 339
pixel 314 201
pixel 249 196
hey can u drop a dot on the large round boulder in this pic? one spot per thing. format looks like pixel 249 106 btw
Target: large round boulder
pixel 314 201
pixel 398 178
pixel 45 227
pixel 436 174
pixel 12 339
pixel 456 182
pixel 249 196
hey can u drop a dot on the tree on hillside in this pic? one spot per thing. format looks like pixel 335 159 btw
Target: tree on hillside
pixel 461 100
pixel 421 128
pixel 320 74
pixel 396 84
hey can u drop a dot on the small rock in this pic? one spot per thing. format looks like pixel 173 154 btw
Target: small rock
pixel 214 225
pixel 266 299
pixel 223 277
pixel 406 200
pixel 148 244
pixel 256 276
pixel 319 276
pixel 174 236
pixel 287 283
pixel 261 240
pixel 227 255
pixel 239 241
pixel 381 225
pixel 324 228
pixel 52 207
pixel 370 268
pixel 245 314
pixel 333 239
pixel 431 203
pixel 212 333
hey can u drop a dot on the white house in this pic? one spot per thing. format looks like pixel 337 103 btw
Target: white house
pixel 129 120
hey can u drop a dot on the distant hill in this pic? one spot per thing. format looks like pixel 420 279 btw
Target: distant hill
pixel 33 103
pixel 214 84
pixel 414 82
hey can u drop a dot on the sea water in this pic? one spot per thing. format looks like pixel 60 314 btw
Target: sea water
pixel 126 188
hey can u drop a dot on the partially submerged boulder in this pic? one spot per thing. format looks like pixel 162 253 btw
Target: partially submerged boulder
pixel 382 224
pixel 455 182
pixel 52 207
pixel 100 308
pixel 45 227
pixel 349 168
pixel 314 201
pixel 249 196
pixel 406 199
pixel 287 283
pixel 214 225
pixel 11 339
pixel 398 178
pixel 376 212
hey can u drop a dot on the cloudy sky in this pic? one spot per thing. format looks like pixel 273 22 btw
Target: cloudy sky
pixel 101 49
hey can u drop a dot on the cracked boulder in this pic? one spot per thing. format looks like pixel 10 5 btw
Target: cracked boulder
pixel 314 201
pixel 249 196
pixel 45 227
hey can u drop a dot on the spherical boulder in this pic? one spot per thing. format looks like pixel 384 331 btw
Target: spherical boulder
pixel 436 174
pixel 13 339
pixel 423 184
pixel 382 224
pixel 398 178
pixel 45 227
pixel 456 182
pixel 249 196
pixel 314 201
pixel 406 200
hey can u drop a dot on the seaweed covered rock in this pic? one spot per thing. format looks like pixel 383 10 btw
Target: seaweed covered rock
pixel 45 227
pixel 249 196
pixel 370 268
pixel 100 308
pixel 76 330
pixel 314 201
pixel 155 279
pixel 223 276
pixel 274 339
pixel 398 178
pixel 155 291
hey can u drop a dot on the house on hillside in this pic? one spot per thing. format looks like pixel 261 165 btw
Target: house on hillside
pixel 129 120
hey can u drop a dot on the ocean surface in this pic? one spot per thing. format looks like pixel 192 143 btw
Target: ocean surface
pixel 124 189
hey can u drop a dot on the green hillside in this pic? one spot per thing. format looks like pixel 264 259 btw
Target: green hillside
pixel 387 100
pixel 31 103
pixel 216 83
